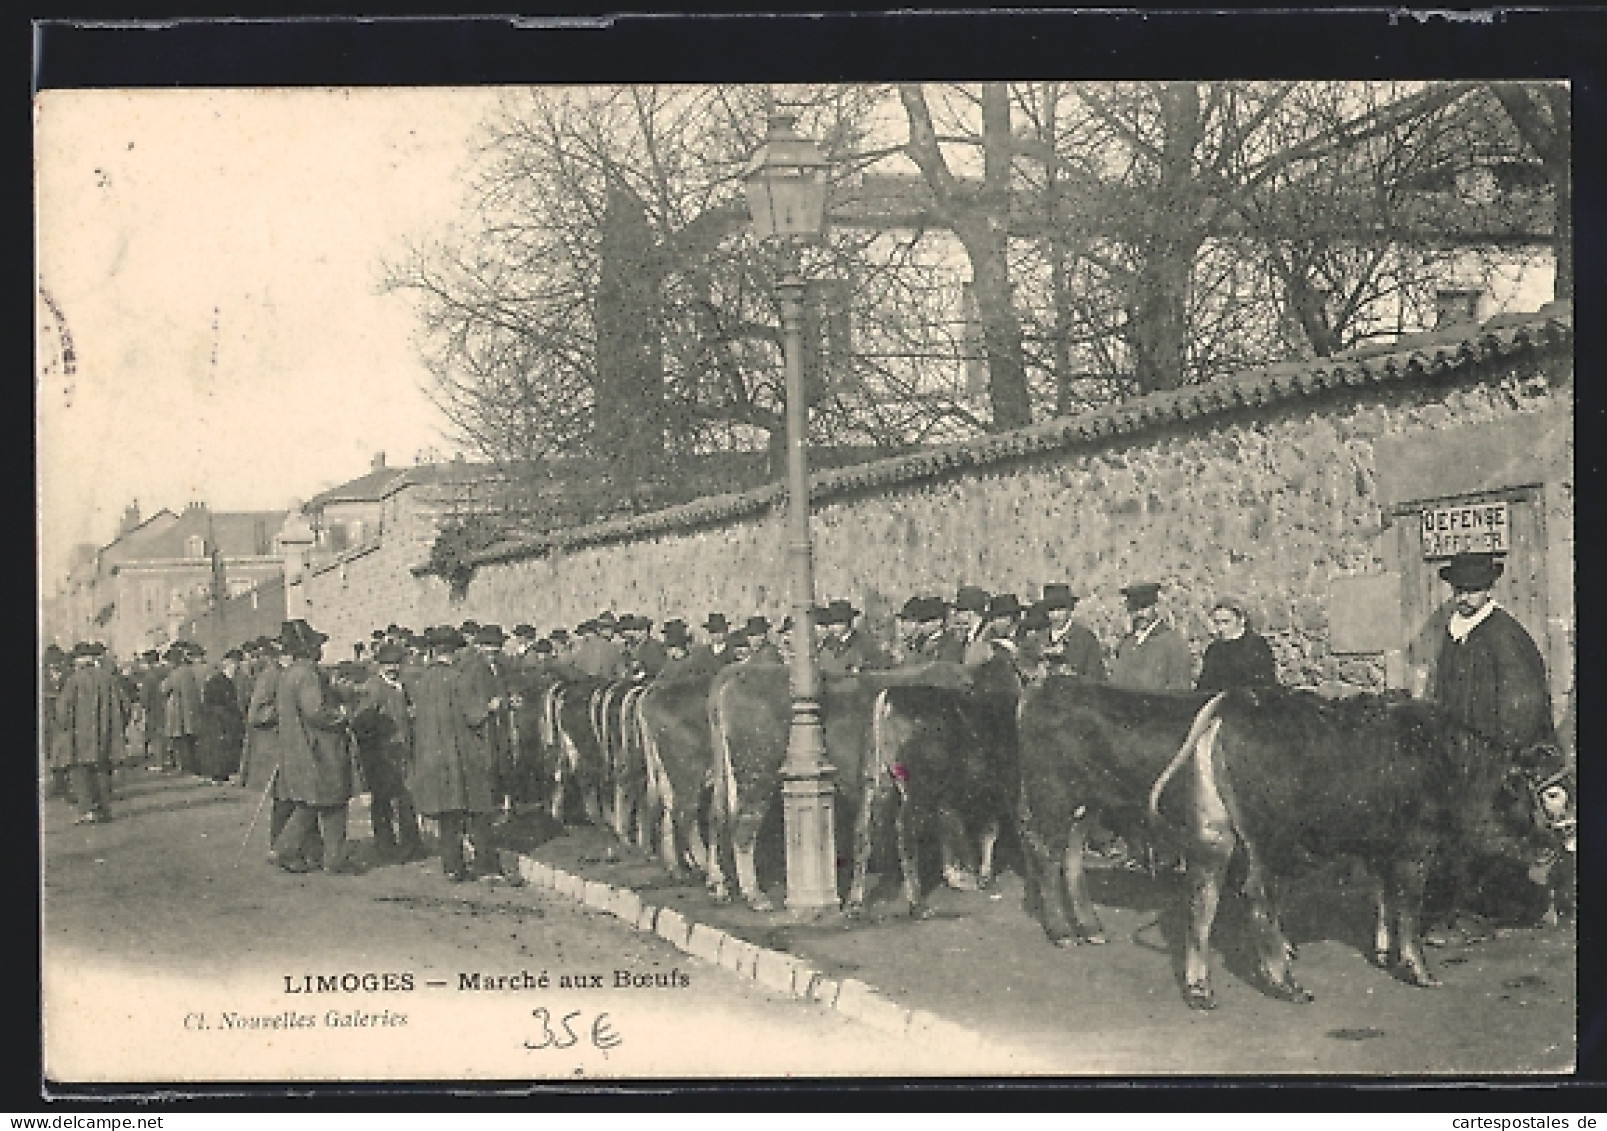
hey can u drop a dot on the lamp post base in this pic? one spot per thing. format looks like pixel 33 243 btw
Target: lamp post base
pixel 808 807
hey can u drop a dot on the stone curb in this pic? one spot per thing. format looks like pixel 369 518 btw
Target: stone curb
pixel 775 970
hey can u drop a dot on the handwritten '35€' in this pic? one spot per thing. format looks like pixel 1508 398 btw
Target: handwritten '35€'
pixel 603 1036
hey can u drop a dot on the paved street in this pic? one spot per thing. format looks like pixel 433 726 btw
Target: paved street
pixel 163 961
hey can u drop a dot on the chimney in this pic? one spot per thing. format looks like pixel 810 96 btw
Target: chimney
pixel 1456 306
pixel 378 463
pixel 130 519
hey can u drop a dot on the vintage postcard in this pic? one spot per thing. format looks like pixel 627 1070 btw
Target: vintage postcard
pixel 440 684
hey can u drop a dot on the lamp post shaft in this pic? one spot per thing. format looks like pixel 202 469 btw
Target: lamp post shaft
pixel 807 790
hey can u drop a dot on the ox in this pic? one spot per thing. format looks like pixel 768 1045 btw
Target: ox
pixel 672 717
pixel 1087 750
pixel 749 716
pixel 614 723
pixel 943 752
pixel 575 757
pixel 1286 776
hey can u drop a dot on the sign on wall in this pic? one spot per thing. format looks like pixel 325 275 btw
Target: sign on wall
pixel 1475 528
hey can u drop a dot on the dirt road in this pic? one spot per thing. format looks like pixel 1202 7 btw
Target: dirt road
pixel 165 962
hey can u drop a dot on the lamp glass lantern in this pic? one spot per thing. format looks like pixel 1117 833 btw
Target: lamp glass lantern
pixel 786 182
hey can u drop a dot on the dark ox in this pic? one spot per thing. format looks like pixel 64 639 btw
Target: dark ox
pixel 945 754
pixel 672 717
pixel 1288 776
pixel 1088 750
pixel 750 711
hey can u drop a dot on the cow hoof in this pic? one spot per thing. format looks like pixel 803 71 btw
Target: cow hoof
pixel 1381 959
pixel 720 894
pixel 1199 996
pixel 1423 979
pixel 985 881
pixel 761 904
pixel 855 911
pixel 959 879
pixel 920 911
pixel 1094 938
pixel 1291 991
pixel 1064 942
pixel 1291 951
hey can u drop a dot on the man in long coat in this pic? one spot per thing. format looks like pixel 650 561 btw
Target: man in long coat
pixel 491 669
pixel 1491 677
pixel 52 740
pixel 1490 674
pixel 1069 646
pixel 315 762
pixel 222 725
pixel 384 729
pixel 713 653
pixel 1153 656
pixel 844 647
pixel 91 711
pixel 452 778
pixel 182 687
pixel 154 700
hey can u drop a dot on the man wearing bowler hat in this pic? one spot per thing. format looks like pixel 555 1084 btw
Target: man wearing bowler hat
pixel 1000 619
pixel 1490 674
pixel 1152 656
pixel 315 762
pixel 384 728
pixel 843 647
pixel 1070 647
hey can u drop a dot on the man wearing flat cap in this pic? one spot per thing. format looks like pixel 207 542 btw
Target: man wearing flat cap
pixel 1490 674
pixel 1152 656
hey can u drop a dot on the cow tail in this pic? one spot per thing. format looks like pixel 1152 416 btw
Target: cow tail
pixel 722 746
pixel 877 763
pixel 658 781
pixel 1202 722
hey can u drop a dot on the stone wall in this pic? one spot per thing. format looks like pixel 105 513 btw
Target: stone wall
pixel 1270 505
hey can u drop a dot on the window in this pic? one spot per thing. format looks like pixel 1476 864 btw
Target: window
pixel 151 597
pixel 239 585
pixel 195 546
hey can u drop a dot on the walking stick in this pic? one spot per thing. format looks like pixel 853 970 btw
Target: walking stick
pixel 255 817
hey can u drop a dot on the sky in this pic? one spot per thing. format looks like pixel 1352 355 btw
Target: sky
pixel 215 257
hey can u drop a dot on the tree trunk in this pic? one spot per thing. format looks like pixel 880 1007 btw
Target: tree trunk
pixel 1157 326
pixel 982 225
pixel 628 413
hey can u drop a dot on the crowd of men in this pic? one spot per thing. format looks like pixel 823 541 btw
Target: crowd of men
pixel 428 721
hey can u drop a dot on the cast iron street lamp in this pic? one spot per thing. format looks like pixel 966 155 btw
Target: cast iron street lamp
pixel 786 182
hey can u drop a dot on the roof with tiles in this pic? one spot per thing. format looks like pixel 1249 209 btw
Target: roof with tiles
pixel 234 534
pixel 1411 357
